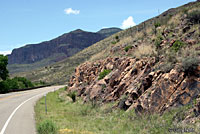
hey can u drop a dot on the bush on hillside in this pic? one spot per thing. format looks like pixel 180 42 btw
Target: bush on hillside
pixel 189 64
pixel 156 25
pixel 158 41
pixel 194 16
pixel 127 48
pixel 188 59
pixel 177 45
pixel 104 73
pixel 116 40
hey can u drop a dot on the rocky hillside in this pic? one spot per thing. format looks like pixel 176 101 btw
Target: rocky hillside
pixel 163 37
pixel 136 84
pixel 61 47
pixel 152 67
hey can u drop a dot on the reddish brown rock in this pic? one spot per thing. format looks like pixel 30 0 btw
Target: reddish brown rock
pixel 145 90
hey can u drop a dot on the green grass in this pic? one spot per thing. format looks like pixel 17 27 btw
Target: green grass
pixel 80 118
pixel 47 127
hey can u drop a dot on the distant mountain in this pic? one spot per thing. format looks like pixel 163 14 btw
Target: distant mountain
pixel 59 48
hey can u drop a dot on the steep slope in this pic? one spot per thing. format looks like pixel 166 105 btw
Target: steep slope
pixel 154 69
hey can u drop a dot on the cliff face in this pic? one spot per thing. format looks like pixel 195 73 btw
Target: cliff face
pixel 63 46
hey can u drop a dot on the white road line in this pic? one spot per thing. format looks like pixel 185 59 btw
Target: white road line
pixel 10 117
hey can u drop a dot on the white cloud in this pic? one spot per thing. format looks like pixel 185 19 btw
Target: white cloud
pixel 128 23
pixel 71 11
pixel 5 52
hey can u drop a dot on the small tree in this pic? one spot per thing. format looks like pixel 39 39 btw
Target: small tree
pixel 156 25
pixel 3 69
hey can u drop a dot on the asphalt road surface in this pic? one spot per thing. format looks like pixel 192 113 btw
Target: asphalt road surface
pixel 17 110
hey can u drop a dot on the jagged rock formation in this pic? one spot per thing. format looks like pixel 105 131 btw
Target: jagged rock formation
pixel 136 83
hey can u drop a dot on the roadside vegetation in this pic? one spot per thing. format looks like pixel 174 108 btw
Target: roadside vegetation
pixel 9 84
pixel 68 117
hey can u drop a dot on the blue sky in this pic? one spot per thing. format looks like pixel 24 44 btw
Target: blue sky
pixel 32 21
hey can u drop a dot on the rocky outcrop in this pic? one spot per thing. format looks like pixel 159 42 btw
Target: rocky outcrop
pixel 136 84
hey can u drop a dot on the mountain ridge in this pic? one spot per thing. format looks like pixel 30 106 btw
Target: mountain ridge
pixel 67 44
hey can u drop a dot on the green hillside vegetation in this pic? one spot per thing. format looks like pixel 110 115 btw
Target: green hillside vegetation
pixel 145 39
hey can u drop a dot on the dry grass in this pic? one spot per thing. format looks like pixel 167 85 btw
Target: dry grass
pixel 149 30
pixel 144 51
pixel 125 41
pixel 175 20
pixel 138 35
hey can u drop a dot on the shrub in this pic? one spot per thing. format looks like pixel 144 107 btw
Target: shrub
pixel 194 16
pixel 4 88
pixel 158 41
pixel 7 85
pixel 72 95
pixel 157 24
pixel 127 48
pixel 169 61
pixel 24 81
pixel 171 57
pixel 167 67
pixel 189 64
pixel 185 10
pixel 117 38
pixel 113 42
pixel 47 127
pixel 15 83
pixel 3 69
pixel 104 73
pixel 177 45
pixel 122 105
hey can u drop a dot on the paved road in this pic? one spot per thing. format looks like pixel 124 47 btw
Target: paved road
pixel 17 110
